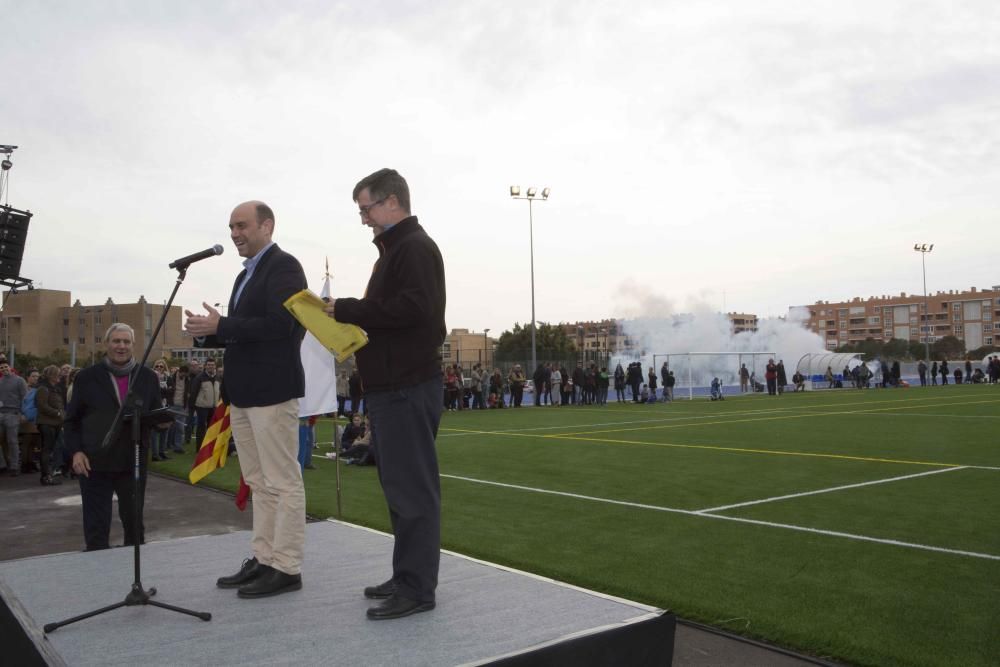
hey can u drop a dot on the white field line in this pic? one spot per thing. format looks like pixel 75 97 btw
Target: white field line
pixel 723 517
pixel 722 508
pixel 929 414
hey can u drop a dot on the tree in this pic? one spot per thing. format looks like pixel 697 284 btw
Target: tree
pixel 550 342
pixel 983 352
pixel 917 350
pixel 895 348
pixel 948 347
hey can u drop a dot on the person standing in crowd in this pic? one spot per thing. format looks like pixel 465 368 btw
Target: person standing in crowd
pixel 745 378
pixel 516 378
pixel 943 370
pixel 664 371
pixel 342 393
pixel 451 388
pixel 159 436
pixel 178 396
pixel 603 382
pixel 263 383
pixel 29 438
pixel 354 387
pixel 555 386
pixel 934 373
pixel 578 383
pixel 403 312
pixel 51 412
pixel 191 428
pixel 619 383
pixel 479 379
pixel 922 372
pixel 13 389
pixel 206 390
pixel 828 377
pixel 635 380
pixel 781 377
pixel 968 370
pixel 106 472
pixel 538 379
pixel 652 381
pixel 669 389
pixel 771 376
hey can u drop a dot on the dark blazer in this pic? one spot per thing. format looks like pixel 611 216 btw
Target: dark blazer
pixel 263 358
pixel 92 410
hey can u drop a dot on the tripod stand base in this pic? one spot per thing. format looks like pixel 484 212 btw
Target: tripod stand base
pixel 137 596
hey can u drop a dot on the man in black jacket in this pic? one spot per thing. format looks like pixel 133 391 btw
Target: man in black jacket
pixel 263 383
pixel 97 393
pixel 403 313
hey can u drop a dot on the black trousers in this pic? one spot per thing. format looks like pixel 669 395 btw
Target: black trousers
pixel 404 427
pixel 204 419
pixel 50 435
pixel 96 492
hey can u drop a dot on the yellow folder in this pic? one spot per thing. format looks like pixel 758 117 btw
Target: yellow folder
pixel 341 339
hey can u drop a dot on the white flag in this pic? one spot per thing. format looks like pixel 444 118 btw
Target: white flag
pixel 321 373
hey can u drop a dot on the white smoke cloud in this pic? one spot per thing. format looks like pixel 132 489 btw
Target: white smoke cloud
pixel 655 327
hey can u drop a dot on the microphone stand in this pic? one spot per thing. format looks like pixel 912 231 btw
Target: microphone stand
pixel 138 595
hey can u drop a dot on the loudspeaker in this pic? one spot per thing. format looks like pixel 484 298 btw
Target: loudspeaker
pixel 13 234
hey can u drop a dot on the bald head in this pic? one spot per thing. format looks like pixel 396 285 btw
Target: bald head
pixel 250 226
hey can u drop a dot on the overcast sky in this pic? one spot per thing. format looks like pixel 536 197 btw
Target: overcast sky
pixel 755 155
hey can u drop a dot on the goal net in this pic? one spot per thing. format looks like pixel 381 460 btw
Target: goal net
pixel 694 371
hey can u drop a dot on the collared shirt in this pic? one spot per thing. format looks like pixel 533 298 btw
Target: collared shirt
pixel 249 265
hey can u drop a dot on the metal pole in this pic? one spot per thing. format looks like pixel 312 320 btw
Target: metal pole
pixel 531 242
pixel 927 311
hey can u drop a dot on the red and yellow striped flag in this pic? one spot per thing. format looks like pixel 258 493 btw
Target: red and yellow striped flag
pixel 214 450
pixel 214 447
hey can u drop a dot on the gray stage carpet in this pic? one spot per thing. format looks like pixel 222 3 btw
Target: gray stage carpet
pixel 484 611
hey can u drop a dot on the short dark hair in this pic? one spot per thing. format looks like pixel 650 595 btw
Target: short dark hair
pixel 264 212
pixel 383 183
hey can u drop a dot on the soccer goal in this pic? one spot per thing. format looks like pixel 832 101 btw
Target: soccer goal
pixel 694 371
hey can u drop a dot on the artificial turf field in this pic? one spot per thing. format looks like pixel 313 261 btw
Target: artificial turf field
pixel 861 526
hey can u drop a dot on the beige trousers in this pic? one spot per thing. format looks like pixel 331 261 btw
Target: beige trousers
pixel 267 441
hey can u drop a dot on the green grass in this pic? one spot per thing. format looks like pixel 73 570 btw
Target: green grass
pixel 859 601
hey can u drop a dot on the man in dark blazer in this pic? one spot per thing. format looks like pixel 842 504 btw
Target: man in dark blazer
pixel 97 393
pixel 262 384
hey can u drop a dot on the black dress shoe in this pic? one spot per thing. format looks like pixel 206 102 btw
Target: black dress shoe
pixel 382 591
pixel 272 582
pixel 48 480
pixel 250 570
pixel 398 607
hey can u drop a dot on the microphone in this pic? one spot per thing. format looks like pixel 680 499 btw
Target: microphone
pixel 184 262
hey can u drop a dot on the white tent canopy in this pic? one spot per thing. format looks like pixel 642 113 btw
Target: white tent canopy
pixel 816 363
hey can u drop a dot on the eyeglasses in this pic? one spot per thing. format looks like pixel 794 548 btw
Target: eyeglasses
pixel 160 366
pixel 364 210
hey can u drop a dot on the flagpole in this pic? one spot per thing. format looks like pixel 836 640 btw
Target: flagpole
pixel 337 446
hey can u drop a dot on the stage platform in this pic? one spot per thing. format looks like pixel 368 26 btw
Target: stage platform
pixel 486 614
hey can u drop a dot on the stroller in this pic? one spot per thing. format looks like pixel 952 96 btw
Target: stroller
pixel 717 390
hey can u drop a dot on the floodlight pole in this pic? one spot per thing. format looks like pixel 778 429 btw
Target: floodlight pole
pixel 923 249
pixel 531 195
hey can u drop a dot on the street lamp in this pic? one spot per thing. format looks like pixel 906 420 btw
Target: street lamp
pixel 531 195
pixel 486 347
pixel 923 249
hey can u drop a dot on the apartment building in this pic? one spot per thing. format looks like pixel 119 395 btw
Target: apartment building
pixel 41 321
pixel 968 315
